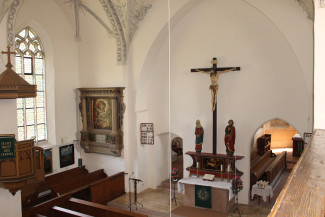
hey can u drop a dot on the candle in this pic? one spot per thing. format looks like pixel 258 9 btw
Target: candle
pixel 197 164
pixel 221 167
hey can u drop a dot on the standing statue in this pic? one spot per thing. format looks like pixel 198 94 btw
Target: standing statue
pixel 230 136
pixel 199 133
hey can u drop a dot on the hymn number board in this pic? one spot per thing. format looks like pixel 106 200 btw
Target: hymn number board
pixel 7 146
pixel 147 133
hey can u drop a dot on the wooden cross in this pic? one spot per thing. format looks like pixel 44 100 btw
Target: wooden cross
pixel 214 75
pixel 9 65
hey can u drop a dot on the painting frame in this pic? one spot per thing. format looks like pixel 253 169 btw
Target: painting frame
pixel 66 154
pixel 147 134
pixel 306 137
pixel 48 161
pixel 102 111
pixel 212 163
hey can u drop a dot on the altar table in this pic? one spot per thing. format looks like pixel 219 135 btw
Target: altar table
pixel 222 197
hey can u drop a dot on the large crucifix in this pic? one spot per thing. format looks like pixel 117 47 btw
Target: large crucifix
pixel 214 73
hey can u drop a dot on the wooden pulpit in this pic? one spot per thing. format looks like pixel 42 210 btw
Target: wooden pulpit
pixel 19 162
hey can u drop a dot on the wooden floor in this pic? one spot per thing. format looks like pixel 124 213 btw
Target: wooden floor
pixel 156 202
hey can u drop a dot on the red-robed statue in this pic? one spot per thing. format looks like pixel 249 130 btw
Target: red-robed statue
pixel 230 136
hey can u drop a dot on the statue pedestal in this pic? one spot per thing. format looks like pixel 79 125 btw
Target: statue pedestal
pixel 220 165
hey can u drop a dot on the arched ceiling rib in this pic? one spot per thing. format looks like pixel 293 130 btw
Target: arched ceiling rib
pixel 124 17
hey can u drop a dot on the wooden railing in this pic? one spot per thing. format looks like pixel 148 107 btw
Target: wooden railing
pixel 304 193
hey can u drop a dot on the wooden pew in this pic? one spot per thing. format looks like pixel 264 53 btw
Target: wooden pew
pixel 259 167
pixel 276 167
pixel 63 212
pixel 99 210
pixel 30 197
pixel 107 189
pixel 45 208
pixel 78 183
pixel 64 176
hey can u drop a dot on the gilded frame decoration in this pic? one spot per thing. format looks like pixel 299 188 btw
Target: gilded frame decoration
pixel 102 112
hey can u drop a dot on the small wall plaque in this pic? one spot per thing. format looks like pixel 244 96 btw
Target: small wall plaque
pixel 147 133
pixel 7 146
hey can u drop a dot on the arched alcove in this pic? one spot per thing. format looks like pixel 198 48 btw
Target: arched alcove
pixel 275 149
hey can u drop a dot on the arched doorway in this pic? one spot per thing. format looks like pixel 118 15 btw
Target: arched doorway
pixel 275 149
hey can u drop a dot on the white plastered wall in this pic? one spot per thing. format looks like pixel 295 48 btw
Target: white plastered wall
pixel 275 80
pixel 319 87
pixel 61 51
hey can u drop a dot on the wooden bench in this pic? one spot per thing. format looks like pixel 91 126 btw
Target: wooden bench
pixel 45 208
pixel 78 183
pixel 64 176
pixel 99 210
pixel 32 195
pixel 65 206
pixel 259 167
pixel 95 187
pixel 63 212
pixel 107 189
pixel 276 167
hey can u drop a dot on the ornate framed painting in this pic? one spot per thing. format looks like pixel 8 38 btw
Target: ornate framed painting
pixel 102 111
pixel 66 155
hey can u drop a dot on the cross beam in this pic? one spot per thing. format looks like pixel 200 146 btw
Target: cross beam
pixel 214 72
pixel 9 65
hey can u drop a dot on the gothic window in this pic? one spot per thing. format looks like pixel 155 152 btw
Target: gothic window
pixel 30 64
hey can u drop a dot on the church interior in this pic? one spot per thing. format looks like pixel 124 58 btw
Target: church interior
pixel 96 119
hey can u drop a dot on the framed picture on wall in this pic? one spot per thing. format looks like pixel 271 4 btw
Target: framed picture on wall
pixel 48 165
pixel 66 155
pixel 102 111
pixel 147 133
pixel 307 137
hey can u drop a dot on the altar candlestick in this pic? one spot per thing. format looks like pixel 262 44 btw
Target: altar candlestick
pixel 221 172
pixel 197 169
pixel 228 168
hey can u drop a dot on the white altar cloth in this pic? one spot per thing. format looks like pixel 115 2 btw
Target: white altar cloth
pixel 263 192
pixel 199 181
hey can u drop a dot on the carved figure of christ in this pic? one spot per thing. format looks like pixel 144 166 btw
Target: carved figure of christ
pixel 214 73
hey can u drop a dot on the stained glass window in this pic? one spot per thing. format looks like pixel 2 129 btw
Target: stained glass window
pixel 30 64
